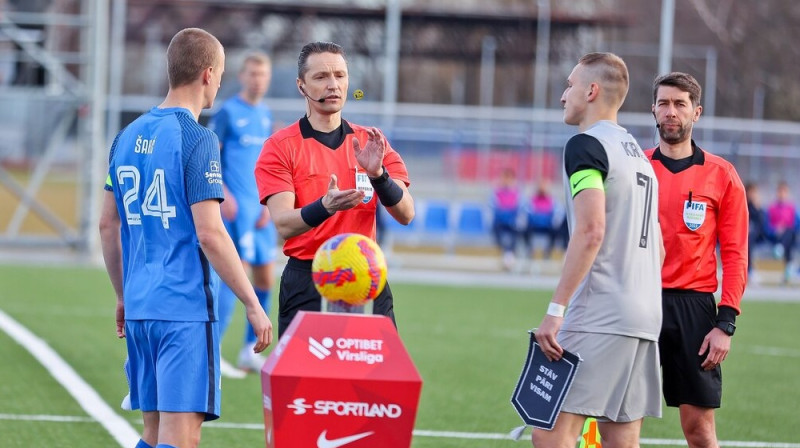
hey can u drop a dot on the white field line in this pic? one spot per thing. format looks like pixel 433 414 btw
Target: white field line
pixel 774 351
pixel 46 418
pixel 84 394
pixel 126 436
pixel 417 432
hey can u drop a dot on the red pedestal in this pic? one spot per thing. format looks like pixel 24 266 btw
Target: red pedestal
pixel 340 380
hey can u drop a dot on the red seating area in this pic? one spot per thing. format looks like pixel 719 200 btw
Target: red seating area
pixel 477 165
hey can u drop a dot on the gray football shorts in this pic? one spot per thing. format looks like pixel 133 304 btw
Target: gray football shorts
pixel 618 380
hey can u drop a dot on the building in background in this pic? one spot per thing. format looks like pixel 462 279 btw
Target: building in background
pixel 465 84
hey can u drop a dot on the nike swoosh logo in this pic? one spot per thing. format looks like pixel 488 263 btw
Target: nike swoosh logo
pixel 323 442
pixel 580 180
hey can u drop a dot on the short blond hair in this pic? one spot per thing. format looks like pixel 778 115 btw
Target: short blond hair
pixel 610 71
pixel 191 51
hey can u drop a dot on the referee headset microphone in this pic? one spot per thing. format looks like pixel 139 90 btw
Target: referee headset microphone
pixel 321 100
pixel 656 138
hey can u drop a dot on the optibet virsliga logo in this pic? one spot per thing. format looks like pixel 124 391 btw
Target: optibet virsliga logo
pixel 368 351
pixel 320 349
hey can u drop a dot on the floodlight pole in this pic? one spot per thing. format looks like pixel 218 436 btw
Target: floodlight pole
pixel 116 68
pixel 391 62
pixel 667 31
pixel 542 55
pixel 93 129
pixel 488 50
pixel 541 70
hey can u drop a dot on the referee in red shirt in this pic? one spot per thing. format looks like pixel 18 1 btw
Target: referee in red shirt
pixel 701 204
pixel 323 176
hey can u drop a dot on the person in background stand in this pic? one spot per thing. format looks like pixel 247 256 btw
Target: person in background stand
pixel 782 216
pixel 541 214
pixel 757 226
pixel 701 204
pixel 505 207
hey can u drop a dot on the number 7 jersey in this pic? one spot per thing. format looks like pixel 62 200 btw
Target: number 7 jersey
pixel 621 294
pixel 159 166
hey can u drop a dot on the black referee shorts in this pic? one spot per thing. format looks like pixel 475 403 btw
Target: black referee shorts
pixel 688 317
pixel 297 293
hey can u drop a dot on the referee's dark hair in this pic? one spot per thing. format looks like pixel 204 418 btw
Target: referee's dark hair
pixel 682 81
pixel 315 48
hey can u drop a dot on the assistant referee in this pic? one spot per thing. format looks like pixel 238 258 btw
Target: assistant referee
pixel 702 203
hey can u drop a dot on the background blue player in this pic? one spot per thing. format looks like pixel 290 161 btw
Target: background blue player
pixel 243 124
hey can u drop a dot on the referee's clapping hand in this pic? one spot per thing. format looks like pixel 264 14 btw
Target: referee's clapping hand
pixel 336 200
pixel 371 156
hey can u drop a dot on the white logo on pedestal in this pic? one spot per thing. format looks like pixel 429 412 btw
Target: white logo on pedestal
pixel 299 405
pixel 320 349
pixel 324 442
pixel 368 351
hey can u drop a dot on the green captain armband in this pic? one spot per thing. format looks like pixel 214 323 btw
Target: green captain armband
pixel 583 179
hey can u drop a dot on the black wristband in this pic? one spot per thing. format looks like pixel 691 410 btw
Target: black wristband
pixel 387 190
pixel 380 179
pixel 314 213
pixel 726 314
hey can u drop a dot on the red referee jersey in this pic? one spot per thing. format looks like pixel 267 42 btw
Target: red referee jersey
pixel 716 213
pixel 292 160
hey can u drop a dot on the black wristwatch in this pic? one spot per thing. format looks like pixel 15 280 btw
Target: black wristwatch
pixel 728 327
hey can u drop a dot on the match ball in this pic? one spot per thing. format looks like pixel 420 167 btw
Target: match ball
pixel 358 94
pixel 349 267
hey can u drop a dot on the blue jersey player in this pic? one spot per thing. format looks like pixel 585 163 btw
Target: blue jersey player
pixel 161 232
pixel 242 124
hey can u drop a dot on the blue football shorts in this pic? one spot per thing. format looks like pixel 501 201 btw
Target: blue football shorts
pixel 255 246
pixel 174 366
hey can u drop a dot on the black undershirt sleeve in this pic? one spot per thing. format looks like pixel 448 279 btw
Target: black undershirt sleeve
pixel 585 152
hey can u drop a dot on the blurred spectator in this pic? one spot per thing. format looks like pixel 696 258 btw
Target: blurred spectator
pixel 757 229
pixel 505 207
pixel 782 218
pixel 541 219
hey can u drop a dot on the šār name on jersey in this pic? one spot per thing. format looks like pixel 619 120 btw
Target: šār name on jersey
pixel 144 145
